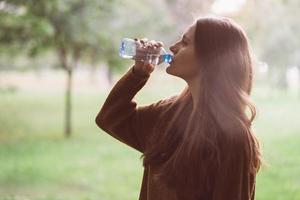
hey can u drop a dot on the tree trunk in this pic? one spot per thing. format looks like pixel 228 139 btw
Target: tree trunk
pixel 93 74
pixel 68 104
pixel 109 76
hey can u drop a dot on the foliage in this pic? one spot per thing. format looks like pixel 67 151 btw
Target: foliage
pixel 273 27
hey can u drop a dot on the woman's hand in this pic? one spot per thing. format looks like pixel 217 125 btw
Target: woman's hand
pixel 142 65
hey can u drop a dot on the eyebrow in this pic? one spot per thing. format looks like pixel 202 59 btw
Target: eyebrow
pixel 186 38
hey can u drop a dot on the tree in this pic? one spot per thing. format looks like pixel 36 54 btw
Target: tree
pixel 88 31
pixel 273 28
pixel 67 27
pixel 76 30
pixel 184 12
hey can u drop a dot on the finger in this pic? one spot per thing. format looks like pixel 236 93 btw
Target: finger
pixel 160 44
pixel 148 66
pixel 140 57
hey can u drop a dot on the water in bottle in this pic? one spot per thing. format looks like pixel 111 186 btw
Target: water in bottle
pixel 132 49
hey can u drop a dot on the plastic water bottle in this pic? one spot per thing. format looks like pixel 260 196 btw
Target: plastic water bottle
pixel 129 47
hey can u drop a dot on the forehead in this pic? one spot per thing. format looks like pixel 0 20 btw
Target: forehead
pixel 190 32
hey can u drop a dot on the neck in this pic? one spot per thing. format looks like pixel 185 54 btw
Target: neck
pixel 194 88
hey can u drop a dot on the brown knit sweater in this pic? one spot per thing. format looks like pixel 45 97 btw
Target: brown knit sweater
pixel 124 120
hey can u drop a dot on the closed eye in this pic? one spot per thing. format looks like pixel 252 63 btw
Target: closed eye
pixel 184 42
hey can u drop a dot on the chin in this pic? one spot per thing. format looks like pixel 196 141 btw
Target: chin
pixel 171 70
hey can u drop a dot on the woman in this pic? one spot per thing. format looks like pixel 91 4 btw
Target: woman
pixel 197 145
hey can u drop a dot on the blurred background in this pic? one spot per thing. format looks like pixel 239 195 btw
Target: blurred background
pixel 59 60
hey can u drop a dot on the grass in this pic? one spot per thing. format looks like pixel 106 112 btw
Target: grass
pixel 38 163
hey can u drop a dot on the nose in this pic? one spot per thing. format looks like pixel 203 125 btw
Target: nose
pixel 173 49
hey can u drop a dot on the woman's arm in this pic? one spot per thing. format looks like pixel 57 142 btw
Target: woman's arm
pixel 121 118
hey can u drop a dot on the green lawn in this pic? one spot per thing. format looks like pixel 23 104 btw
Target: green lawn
pixel 37 163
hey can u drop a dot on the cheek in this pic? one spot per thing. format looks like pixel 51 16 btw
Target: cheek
pixel 191 70
pixel 195 66
pixel 192 65
pixel 185 65
pixel 185 70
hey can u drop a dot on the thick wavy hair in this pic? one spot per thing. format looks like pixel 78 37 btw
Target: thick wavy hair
pixel 190 146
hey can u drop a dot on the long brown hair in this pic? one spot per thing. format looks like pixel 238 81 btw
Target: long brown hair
pixel 189 147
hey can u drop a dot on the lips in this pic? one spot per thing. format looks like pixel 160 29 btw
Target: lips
pixel 172 62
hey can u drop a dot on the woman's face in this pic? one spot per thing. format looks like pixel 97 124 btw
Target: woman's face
pixel 184 63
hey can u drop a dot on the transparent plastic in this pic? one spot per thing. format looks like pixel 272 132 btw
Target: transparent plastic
pixel 130 50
